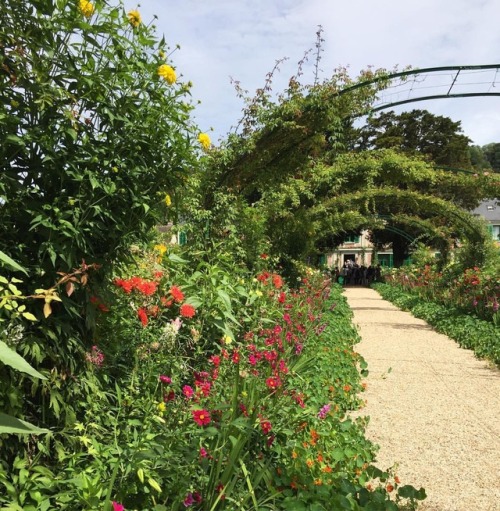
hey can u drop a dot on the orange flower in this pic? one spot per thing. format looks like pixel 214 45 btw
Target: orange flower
pixel 389 488
pixel 320 457
pixel 318 482
pixel 397 480
pixel 347 388
pixel 187 311
pixel 294 455
pixel 309 463
pixel 327 469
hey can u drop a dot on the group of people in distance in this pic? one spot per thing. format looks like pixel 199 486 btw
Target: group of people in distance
pixel 352 273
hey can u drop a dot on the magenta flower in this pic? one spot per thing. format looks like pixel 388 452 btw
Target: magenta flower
pixel 188 391
pixel 324 411
pixel 117 507
pixel 165 379
pixel 189 500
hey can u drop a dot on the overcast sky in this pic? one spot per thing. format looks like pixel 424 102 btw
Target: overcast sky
pixel 221 39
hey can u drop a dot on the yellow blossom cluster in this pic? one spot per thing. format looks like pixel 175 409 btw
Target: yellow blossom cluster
pixel 168 200
pixel 167 73
pixel 161 248
pixel 204 140
pixel 134 18
pixel 86 8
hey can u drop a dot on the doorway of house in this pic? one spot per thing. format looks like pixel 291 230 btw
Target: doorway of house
pixel 348 257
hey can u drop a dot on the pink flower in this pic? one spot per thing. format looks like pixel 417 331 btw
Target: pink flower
pixel 165 379
pixel 188 391
pixel 117 507
pixel 203 452
pixel 324 411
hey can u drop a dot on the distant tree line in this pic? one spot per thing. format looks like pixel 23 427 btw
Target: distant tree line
pixel 438 138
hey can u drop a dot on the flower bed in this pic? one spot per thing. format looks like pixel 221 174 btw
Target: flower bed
pixel 210 390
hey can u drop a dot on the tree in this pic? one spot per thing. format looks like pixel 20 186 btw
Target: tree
pixel 417 132
pixel 492 154
pixel 478 159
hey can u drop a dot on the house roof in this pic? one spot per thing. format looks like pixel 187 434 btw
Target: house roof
pixel 489 210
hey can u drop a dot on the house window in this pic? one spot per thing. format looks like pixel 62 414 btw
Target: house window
pixel 352 239
pixel 495 232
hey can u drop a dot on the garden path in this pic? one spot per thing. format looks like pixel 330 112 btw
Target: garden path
pixel 434 408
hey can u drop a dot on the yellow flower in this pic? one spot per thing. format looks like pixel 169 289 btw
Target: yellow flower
pixel 86 8
pixel 160 248
pixel 258 292
pixel 161 407
pixel 168 200
pixel 204 140
pixel 167 73
pixel 134 18
pixel 227 339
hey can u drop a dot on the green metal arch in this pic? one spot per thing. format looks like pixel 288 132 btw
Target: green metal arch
pixel 427 70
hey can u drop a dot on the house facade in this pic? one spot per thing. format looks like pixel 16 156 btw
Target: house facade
pixel 490 212
pixel 360 250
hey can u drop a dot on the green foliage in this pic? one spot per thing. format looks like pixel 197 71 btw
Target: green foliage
pixel 492 154
pixel 90 134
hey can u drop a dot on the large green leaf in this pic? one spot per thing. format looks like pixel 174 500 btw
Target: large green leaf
pixel 11 358
pixel 9 424
pixel 7 261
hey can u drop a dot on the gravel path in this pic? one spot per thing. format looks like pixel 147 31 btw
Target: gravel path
pixel 434 408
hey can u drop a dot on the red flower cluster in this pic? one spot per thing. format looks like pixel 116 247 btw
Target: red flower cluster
pixel 146 287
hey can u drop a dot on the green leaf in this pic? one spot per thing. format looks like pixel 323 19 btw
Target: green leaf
pixel 11 358
pixel 29 316
pixel 7 261
pixel 11 425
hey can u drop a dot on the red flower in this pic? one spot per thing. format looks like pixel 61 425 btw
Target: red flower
pixel 165 379
pixel 282 297
pixel 266 427
pixel 264 256
pixel 201 417
pixel 141 312
pixel 177 294
pixel 187 311
pixel 273 382
pixel 215 359
pixel 165 302
pixel 169 397
pixel 277 281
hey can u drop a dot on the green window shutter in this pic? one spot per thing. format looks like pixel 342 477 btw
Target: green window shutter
pixel 490 229
pixel 182 238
